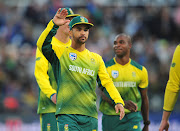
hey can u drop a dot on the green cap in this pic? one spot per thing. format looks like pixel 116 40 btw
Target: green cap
pixel 79 20
pixel 70 12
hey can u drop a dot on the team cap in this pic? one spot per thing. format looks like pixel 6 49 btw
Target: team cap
pixel 78 20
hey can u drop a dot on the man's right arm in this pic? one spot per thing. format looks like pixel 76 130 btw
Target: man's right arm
pixel 44 42
pixel 51 52
pixel 45 53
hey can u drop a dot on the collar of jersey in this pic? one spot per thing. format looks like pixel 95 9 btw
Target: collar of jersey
pixel 58 42
pixel 74 50
pixel 122 65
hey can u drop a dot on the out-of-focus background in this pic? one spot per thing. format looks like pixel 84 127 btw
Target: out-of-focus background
pixel 153 25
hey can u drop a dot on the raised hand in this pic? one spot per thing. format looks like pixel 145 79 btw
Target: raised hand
pixel 60 17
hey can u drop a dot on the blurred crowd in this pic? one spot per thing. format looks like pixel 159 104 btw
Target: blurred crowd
pixel 155 32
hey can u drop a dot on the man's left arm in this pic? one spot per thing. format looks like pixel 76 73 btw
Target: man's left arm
pixel 145 101
pixel 145 108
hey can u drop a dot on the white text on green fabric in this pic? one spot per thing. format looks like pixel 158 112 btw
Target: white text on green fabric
pixel 81 70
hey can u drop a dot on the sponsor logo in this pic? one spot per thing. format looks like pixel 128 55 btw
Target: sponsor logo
pixel 125 84
pixel 73 56
pixel 115 74
pixel 135 126
pixel 38 58
pixel 134 74
pixel 93 61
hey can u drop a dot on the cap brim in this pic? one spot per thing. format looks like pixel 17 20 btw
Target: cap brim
pixel 73 15
pixel 83 23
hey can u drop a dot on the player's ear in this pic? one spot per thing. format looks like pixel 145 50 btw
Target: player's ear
pixel 70 33
pixel 130 45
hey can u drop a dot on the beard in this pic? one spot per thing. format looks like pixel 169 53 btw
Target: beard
pixel 80 40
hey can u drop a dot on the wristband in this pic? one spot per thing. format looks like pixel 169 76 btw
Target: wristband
pixel 52 96
pixel 147 122
pixel 120 103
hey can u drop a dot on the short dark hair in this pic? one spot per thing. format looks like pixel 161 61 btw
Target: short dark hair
pixel 126 35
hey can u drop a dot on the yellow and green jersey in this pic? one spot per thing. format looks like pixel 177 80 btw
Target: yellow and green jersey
pixel 173 85
pixel 128 79
pixel 46 80
pixel 75 73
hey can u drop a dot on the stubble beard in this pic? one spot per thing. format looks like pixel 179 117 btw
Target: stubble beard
pixel 79 41
pixel 121 55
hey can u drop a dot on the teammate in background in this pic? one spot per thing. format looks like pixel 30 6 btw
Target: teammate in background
pixel 131 80
pixel 172 90
pixel 76 69
pixel 46 80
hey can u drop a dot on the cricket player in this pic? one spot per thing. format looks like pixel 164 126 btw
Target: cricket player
pixel 131 80
pixel 75 69
pixel 172 90
pixel 46 80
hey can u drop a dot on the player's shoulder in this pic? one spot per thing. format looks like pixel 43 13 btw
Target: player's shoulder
pixel 94 54
pixel 178 47
pixel 109 63
pixel 136 65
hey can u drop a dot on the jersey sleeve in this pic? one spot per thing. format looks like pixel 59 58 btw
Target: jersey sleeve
pixel 42 78
pixel 144 79
pixel 173 85
pixel 107 82
pixel 51 52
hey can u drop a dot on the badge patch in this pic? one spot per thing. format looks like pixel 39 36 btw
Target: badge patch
pixel 66 127
pixel 134 74
pixel 73 56
pixel 115 74
pixel 48 127
pixel 173 64
pixel 82 19
pixel 93 61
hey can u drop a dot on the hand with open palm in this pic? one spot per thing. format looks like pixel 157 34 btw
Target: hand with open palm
pixel 60 17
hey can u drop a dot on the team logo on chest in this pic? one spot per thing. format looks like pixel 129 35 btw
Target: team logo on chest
pixel 115 74
pixel 73 56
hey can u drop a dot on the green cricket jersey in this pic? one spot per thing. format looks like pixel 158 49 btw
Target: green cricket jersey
pixel 46 80
pixel 75 73
pixel 128 79
pixel 173 85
